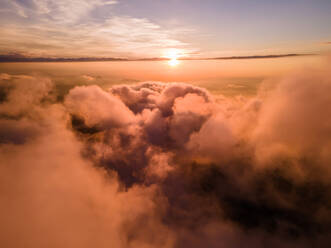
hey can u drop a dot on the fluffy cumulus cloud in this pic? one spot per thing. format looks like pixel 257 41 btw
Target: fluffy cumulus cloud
pixel 165 165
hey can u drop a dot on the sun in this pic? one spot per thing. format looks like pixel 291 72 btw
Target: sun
pixel 173 62
pixel 172 55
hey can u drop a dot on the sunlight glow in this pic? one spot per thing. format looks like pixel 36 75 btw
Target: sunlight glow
pixel 173 62
pixel 173 55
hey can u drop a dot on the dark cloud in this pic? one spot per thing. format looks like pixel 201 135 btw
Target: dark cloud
pixel 165 165
pixel 17 132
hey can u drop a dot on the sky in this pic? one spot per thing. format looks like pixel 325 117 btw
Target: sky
pixel 157 28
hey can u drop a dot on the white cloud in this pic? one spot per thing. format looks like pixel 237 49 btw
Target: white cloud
pixel 57 10
pixel 68 28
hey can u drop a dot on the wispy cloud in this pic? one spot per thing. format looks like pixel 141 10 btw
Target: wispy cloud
pixel 268 56
pixel 61 10
pixel 69 28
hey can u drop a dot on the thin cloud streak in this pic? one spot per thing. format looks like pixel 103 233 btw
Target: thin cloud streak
pixel 21 58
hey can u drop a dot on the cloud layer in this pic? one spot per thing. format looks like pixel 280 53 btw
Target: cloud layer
pixel 165 165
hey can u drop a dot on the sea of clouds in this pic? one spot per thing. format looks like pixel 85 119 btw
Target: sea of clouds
pixel 165 165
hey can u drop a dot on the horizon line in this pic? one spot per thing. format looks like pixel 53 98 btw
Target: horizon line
pixel 6 58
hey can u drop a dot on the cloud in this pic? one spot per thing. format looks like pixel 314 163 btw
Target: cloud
pixel 88 78
pixel 97 107
pixel 54 197
pixel 293 116
pixel 17 57
pixel 71 29
pixel 165 165
pixel 62 10
pixel 25 96
pixel 269 56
